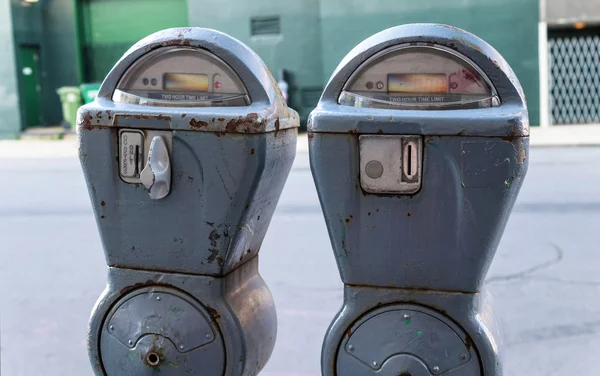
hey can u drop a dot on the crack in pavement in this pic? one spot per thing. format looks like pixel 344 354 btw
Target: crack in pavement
pixel 526 273
pixel 564 281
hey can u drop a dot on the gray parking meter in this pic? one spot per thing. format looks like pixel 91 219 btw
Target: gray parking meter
pixel 418 149
pixel 185 152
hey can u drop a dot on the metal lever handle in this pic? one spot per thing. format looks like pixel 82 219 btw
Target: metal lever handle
pixel 156 175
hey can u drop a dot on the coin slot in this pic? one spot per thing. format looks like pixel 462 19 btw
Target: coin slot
pixel 137 160
pixel 410 160
pixel 409 164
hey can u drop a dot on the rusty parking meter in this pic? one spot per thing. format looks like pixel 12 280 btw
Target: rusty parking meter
pixel 418 149
pixel 185 152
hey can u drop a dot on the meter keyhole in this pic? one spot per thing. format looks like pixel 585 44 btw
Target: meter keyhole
pixel 153 359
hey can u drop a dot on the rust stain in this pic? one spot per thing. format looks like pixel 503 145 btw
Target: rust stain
pixel 510 136
pixel 277 126
pixel 99 115
pixel 379 131
pixel 515 125
pixel 183 115
pixel 408 214
pixel 521 156
pixel 348 219
pixel 245 124
pixel 102 217
pixel 86 122
pixel 172 42
pixel 197 124
pixel 157 351
pixel 221 119
pixel 252 151
pixel 450 27
pixel 311 135
pixel 352 130
pixel 468 343
pixel 349 331
pixel 145 117
pixel 213 312
pixel 467 43
pixel 102 203
pixel 126 289
pixel 213 237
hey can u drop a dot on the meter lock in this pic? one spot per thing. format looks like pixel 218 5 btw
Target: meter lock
pixel 144 159
pixel 390 164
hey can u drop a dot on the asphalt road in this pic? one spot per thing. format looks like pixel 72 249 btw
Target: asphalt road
pixel 544 277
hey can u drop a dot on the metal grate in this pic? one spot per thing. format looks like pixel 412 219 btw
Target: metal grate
pixel 574 76
pixel 265 25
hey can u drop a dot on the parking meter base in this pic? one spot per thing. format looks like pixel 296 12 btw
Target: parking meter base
pixel 182 324
pixel 395 332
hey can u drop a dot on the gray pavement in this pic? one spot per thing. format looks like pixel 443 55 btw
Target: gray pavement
pixel 544 277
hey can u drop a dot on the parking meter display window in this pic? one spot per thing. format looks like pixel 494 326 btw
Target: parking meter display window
pixel 181 77
pixel 419 77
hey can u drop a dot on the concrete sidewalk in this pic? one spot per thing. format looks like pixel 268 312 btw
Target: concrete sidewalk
pixel 572 135
pixel 566 135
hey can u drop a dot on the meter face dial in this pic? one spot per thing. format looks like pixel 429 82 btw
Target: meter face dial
pixel 421 77
pixel 181 77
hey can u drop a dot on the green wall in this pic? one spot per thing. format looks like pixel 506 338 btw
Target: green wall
pixel 10 119
pixel 49 24
pixel 110 27
pixel 58 53
pixel 297 48
pixel 511 26
pixel 314 35
pixel 28 30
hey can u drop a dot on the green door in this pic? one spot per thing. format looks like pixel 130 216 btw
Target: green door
pixel 29 82
pixel 110 27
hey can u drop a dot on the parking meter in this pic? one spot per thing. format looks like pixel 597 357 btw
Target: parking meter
pixel 418 149
pixel 185 153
